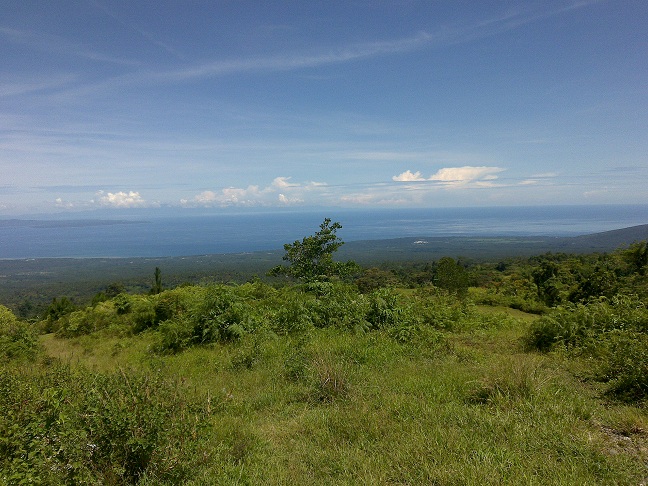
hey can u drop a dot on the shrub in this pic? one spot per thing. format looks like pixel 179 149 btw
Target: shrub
pixel 576 324
pixel 17 339
pixel 293 315
pixel 338 305
pixel 614 333
pixel 88 320
pixel 142 313
pixel 175 335
pixel 385 310
pixel 623 362
pixel 67 427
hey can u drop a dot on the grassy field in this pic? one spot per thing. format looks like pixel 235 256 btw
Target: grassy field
pixel 331 407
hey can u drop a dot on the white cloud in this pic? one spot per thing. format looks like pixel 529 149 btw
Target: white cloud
pixel 283 199
pixel 206 197
pixel 121 199
pixel 282 182
pixel 407 176
pixel 464 175
pixel 60 203
pixel 456 176
pixel 279 191
pixel 239 197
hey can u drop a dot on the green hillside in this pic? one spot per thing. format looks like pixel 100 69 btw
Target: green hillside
pixel 525 370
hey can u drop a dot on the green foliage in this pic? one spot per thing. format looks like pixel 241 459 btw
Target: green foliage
pixel 546 279
pixel 614 333
pixel 77 427
pixel 385 309
pixel 56 310
pixel 86 321
pixel 624 364
pixel 139 310
pixel 451 276
pixel 636 256
pixel 338 305
pixel 576 325
pixel 175 335
pixel 312 258
pixel 17 339
pixel 293 314
pixel 157 283
pixel 374 278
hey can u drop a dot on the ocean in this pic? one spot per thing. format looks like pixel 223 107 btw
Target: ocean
pixel 226 232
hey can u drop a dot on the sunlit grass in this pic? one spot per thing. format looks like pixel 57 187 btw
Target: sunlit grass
pixel 331 407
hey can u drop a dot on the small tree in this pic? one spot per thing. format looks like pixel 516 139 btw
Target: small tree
pixel 312 258
pixel 157 285
pixel 450 275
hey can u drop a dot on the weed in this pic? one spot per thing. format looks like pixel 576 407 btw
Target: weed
pixel 329 380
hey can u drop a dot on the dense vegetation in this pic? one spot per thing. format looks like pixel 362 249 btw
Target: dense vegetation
pixel 528 371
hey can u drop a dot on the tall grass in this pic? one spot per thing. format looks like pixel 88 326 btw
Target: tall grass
pixel 410 388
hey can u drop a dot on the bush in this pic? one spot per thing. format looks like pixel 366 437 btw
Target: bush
pixel 175 335
pixel 88 320
pixel 66 427
pixel 338 305
pixel 385 310
pixel 293 315
pixel 614 335
pixel 17 339
pixel 575 324
pixel 623 362
pixel 142 313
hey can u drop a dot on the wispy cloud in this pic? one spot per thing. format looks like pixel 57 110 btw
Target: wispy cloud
pixel 443 36
pixel 138 30
pixel 299 60
pixel 545 175
pixel 59 45
pixel 14 87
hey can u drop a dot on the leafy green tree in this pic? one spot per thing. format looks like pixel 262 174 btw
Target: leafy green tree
pixel 547 281
pixel 114 289
pixel 452 276
pixel 59 308
pixel 637 257
pixel 157 286
pixel 312 258
pixel 592 283
pixel 375 278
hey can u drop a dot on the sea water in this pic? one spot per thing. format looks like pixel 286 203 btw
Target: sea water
pixel 225 232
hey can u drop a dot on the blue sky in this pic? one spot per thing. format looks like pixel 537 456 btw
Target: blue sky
pixel 231 104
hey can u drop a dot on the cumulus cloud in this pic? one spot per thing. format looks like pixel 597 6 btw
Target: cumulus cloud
pixel 282 182
pixel 121 199
pixel 407 176
pixel 455 176
pixel 464 175
pixel 283 199
pixel 281 191
pixel 60 203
